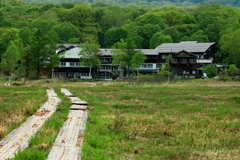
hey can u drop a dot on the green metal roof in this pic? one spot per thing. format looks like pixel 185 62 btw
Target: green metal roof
pixel 72 53
pixel 221 65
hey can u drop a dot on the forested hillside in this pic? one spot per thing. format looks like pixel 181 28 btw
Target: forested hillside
pixel 27 29
pixel 147 3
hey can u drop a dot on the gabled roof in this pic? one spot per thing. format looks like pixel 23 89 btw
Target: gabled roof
pixel 72 53
pixel 190 46
pixel 184 55
pixel 61 47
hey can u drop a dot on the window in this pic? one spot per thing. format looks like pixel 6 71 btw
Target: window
pixel 150 65
pixel 107 59
pixel 115 68
pixel 106 68
pixel 200 56
pixel 179 71
pixel 71 75
pixel 63 64
pixel 174 60
pixel 183 60
pixel 192 60
pixel 72 64
pixel 193 71
pixel 164 56
pixel 146 66
pixel 84 74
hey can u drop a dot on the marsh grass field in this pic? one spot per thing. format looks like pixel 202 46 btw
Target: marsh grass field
pixel 184 120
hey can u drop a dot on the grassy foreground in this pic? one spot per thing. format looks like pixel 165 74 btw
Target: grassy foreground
pixel 162 122
pixel 187 120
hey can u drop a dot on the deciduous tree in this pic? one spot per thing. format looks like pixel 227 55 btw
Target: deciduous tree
pixel 137 59
pixel 89 55
pixel 125 55
pixel 158 39
pixel 82 16
pixel 230 46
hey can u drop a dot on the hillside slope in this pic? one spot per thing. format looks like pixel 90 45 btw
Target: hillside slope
pixel 147 3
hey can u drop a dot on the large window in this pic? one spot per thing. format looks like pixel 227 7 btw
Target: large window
pixel 146 66
pixel 174 60
pixel 84 74
pixel 72 64
pixel 164 56
pixel 77 75
pixel 200 56
pixel 115 68
pixel 105 76
pixel 192 60
pixel 183 60
pixel 71 75
pixel 107 59
pixel 63 64
pixel 106 68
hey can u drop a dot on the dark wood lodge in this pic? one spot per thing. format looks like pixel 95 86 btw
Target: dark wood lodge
pixel 188 59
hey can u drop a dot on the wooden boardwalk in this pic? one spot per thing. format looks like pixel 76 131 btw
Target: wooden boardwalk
pixel 19 137
pixel 67 145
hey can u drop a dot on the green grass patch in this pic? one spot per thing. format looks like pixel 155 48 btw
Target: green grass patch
pixel 17 104
pixel 161 122
pixel 185 120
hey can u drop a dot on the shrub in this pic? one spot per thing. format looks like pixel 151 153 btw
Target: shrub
pixel 233 70
pixel 210 70
pixel 16 83
pixel 73 79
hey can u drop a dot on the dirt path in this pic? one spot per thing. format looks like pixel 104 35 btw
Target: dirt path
pixel 19 137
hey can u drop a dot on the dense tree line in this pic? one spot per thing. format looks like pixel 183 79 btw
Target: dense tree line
pixel 26 29
pixel 147 3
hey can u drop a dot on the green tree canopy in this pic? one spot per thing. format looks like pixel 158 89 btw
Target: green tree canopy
pixel 82 16
pixel 114 35
pixel 43 48
pixel 230 45
pixel 10 58
pixel 124 55
pixel 158 39
pixel 210 70
pixel 233 70
pixel 89 55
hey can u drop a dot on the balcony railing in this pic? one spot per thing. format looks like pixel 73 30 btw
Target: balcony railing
pixel 147 66
pixel 205 61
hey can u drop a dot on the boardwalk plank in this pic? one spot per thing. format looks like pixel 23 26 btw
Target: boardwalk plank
pixel 67 145
pixel 66 92
pixel 76 100
pixel 67 153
